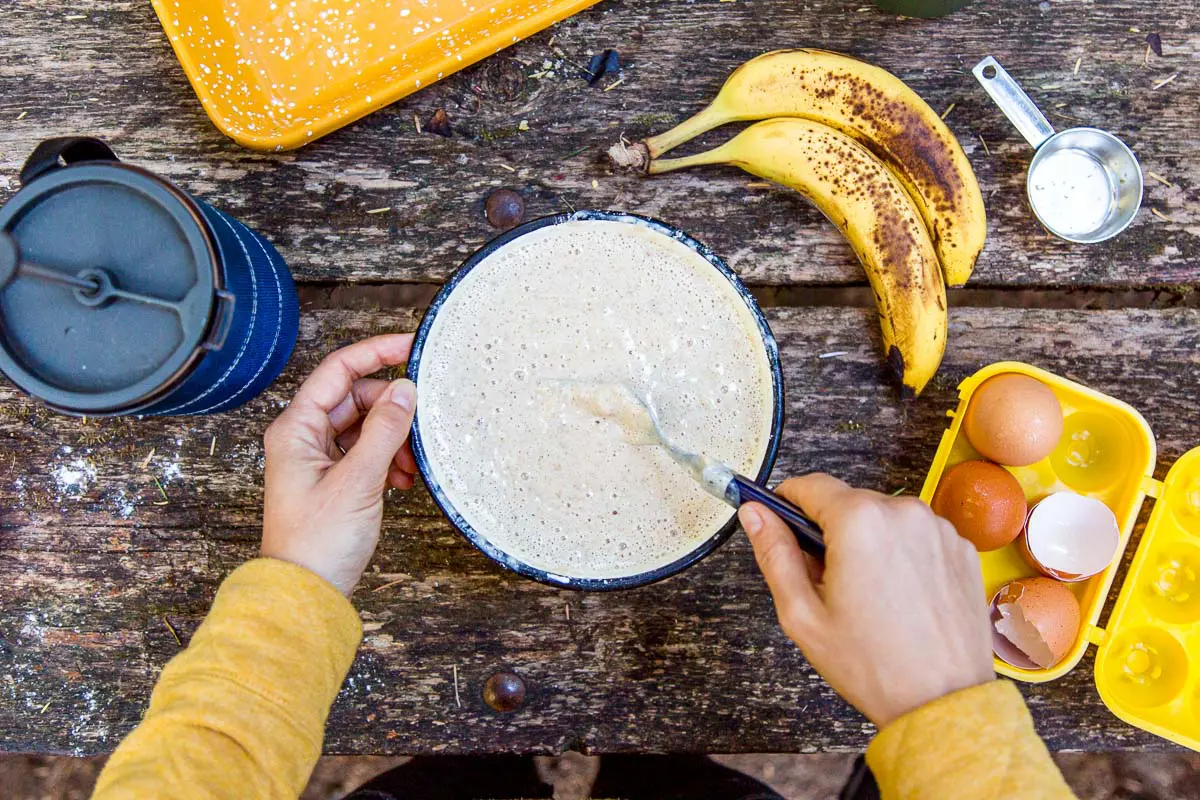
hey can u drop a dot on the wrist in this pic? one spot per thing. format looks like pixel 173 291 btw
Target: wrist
pixel 344 581
pixel 930 692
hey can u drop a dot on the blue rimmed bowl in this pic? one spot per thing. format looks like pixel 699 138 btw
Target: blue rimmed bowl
pixel 480 540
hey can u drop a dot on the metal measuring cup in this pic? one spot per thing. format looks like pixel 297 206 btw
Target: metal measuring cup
pixel 1084 184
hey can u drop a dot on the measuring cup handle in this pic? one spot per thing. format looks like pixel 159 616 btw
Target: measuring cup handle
pixel 1021 111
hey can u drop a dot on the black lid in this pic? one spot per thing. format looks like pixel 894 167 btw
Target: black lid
pixel 144 246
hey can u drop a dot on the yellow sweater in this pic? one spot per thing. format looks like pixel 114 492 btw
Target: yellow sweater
pixel 241 712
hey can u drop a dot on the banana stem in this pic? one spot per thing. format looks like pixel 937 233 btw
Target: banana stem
pixel 718 155
pixel 687 130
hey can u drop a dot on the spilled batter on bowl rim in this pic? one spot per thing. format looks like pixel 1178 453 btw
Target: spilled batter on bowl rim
pixel 541 475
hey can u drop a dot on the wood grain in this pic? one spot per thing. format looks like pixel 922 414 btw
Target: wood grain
pixel 94 558
pixel 107 69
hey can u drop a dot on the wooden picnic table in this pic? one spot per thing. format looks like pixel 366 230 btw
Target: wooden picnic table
pixel 114 534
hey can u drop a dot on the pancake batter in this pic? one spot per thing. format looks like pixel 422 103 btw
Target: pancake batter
pixel 542 475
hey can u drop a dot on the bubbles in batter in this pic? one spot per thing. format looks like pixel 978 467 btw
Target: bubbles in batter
pixel 552 481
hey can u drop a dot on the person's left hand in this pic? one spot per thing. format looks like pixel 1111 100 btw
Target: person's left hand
pixel 331 456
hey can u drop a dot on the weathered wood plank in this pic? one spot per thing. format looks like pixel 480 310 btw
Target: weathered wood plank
pixel 91 564
pixel 113 73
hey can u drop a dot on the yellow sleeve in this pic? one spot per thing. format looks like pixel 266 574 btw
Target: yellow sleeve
pixel 241 713
pixel 976 744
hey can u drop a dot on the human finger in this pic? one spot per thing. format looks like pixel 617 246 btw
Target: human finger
pixel 820 496
pixel 399 479
pixel 784 567
pixel 405 459
pixel 384 431
pixel 357 402
pixel 332 380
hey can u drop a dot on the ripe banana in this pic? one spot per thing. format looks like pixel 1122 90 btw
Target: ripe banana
pixel 880 111
pixel 870 206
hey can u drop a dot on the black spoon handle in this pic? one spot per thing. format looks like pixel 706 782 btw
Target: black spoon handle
pixel 808 533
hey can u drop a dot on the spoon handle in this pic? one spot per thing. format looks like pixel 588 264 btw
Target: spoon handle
pixel 1020 109
pixel 808 533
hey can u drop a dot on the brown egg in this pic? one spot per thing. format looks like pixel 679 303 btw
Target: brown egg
pixel 1035 621
pixel 1013 420
pixel 983 501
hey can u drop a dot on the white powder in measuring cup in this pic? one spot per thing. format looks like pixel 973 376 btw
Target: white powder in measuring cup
pixel 1072 192
pixel 534 471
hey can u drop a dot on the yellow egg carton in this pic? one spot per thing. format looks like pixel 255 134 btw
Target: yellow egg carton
pixel 276 74
pixel 1148 663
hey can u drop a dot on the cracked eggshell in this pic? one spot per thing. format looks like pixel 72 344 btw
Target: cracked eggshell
pixel 1035 621
pixel 1070 537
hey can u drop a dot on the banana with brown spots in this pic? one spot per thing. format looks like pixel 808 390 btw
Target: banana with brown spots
pixel 871 207
pixel 874 107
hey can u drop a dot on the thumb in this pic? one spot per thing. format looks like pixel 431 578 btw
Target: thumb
pixel 384 432
pixel 782 562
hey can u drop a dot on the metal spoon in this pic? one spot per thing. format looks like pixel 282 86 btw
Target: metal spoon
pixel 723 483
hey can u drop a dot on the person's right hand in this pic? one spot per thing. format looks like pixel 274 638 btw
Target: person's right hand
pixel 897 617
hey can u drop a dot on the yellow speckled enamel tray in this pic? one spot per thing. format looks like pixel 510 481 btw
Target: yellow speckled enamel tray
pixel 275 74
pixel 1148 663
